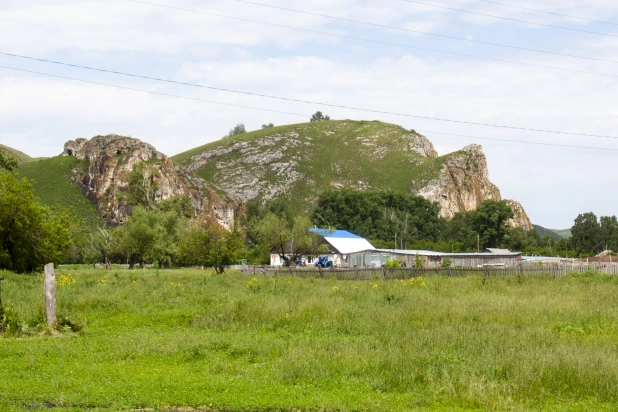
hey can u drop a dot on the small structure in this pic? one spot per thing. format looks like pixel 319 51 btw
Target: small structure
pixel 494 250
pixel 379 257
pixel 341 244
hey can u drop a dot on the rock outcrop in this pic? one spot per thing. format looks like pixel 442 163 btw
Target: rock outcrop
pixel 112 159
pixel 521 219
pixel 463 185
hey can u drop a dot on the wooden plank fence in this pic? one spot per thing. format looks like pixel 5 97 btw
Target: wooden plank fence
pixel 528 270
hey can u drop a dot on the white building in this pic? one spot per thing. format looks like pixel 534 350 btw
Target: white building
pixel 341 244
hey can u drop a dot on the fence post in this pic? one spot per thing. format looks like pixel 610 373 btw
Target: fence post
pixel 383 272
pixel 49 289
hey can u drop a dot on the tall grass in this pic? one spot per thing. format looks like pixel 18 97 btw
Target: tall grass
pixel 190 338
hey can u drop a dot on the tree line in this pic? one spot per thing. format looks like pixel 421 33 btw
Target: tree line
pixel 170 234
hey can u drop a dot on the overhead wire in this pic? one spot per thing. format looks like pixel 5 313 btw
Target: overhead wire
pixel 324 104
pixel 280 111
pixel 510 18
pixel 549 12
pixel 149 91
pixel 377 25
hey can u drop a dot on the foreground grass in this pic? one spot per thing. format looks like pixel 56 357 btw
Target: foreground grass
pixel 170 339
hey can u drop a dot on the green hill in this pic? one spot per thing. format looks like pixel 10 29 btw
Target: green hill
pixel 547 232
pixel 21 156
pixel 300 161
pixel 51 179
pixel 562 232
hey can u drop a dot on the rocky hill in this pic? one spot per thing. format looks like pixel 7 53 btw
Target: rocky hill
pixel 109 161
pixel 300 161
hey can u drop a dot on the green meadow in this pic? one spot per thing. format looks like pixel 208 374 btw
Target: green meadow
pixel 193 340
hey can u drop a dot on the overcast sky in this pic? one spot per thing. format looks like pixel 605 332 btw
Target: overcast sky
pixel 39 113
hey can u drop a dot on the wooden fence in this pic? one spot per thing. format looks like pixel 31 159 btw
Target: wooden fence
pixel 555 271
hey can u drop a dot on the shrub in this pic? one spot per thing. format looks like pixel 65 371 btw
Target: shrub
pixel 9 320
pixel 419 261
pixel 393 263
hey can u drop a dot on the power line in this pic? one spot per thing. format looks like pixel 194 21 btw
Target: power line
pixel 150 91
pixel 379 41
pixel 290 99
pixel 520 141
pixel 282 112
pixel 511 19
pixel 549 12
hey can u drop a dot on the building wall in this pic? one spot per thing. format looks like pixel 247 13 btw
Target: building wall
pixel 473 261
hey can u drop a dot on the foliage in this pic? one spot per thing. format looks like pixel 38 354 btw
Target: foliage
pixel 290 240
pixel 150 236
pixel 379 215
pixel 8 162
pixel 181 205
pixel 586 233
pixel 254 211
pixel 591 235
pixel 489 221
pixel 295 344
pixel 209 245
pixel 447 262
pixel 30 235
pixel 10 323
pixel 143 186
pixel 236 130
pixel 393 263
pixel 459 230
pixel 419 261
pixel 319 117
pixel 267 125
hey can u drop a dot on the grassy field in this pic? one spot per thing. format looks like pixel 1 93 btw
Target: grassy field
pixel 192 339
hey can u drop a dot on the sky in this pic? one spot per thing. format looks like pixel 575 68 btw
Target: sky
pixel 418 69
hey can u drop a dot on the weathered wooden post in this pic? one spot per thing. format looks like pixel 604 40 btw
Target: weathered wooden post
pixel 49 288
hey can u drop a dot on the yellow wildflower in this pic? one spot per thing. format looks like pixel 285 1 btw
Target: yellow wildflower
pixel 66 280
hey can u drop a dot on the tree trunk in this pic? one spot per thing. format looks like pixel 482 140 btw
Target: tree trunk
pixel 108 265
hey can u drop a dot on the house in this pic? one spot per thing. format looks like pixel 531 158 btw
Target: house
pixel 341 244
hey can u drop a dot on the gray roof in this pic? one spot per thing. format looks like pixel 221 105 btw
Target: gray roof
pixel 495 250
pixel 433 253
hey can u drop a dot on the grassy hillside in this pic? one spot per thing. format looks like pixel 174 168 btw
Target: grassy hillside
pixel 21 156
pixel 301 160
pixel 51 180
pixel 546 232
pixel 562 232
pixel 181 339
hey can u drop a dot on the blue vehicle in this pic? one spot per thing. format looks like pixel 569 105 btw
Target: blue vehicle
pixel 323 262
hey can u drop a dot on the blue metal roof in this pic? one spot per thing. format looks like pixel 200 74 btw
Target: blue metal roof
pixel 340 234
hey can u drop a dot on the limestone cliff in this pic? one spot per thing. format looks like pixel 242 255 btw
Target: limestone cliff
pixel 463 184
pixel 111 160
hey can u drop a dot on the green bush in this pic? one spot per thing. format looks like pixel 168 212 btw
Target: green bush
pixel 9 320
pixel 447 262
pixel 393 263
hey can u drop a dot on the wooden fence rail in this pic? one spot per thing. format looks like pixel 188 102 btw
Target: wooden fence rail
pixel 555 271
